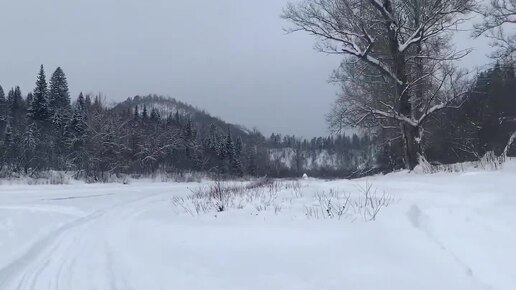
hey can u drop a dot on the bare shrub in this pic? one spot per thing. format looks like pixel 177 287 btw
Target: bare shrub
pixel 218 194
pixel 487 162
pixel 491 162
pixel 260 195
pixel 334 204
pixel 366 203
pixel 372 201
pixel 182 202
pixel 296 188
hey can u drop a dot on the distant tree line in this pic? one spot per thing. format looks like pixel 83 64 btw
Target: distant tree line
pixel 45 130
pixel 333 156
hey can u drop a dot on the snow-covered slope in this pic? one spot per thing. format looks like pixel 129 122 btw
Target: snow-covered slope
pixel 287 158
pixel 442 231
pixel 169 107
pixel 319 159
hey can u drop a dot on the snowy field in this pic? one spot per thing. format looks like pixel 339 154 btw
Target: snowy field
pixel 443 231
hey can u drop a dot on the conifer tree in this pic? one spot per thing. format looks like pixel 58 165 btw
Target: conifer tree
pixel 3 114
pixel 6 140
pixel 11 149
pixel 76 134
pixel 39 110
pixel 144 113
pixel 87 102
pixel 238 147
pixel 81 103
pixel 28 101
pixel 250 154
pixel 16 108
pixel 29 143
pixel 59 96
pixel 3 105
pixel 177 118
pixel 229 149
pixel 190 133
pixel 154 116
pixel 136 113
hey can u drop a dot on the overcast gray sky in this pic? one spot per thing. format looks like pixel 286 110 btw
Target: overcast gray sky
pixel 230 57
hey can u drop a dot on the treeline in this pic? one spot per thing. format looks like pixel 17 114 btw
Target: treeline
pixel 330 157
pixel 482 123
pixel 38 131
pixel 47 130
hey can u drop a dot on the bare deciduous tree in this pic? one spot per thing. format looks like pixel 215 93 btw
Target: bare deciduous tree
pixel 398 68
pixel 497 15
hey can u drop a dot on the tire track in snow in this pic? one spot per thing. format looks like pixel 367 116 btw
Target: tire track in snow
pixel 117 279
pixel 60 248
pixel 421 221
pixel 44 247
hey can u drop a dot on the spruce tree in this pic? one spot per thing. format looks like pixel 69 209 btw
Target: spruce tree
pixel 136 114
pixel 177 118
pixel 251 162
pixel 11 149
pixel 16 108
pixel 39 110
pixel 229 149
pixel 60 112
pixel 144 113
pixel 232 162
pixel 3 114
pixel 3 105
pixel 81 104
pixel 59 96
pixel 29 143
pixel 28 101
pixel 154 116
pixel 87 102
pixel 76 134
pixel 238 147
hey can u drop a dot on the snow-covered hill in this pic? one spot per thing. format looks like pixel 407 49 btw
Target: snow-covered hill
pixel 441 231
pixel 170 107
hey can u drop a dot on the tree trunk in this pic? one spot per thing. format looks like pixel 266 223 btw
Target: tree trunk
pixel 411 145
pixel 411 134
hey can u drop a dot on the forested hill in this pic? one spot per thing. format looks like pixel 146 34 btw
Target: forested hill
pixel 167 107
pixel 234 150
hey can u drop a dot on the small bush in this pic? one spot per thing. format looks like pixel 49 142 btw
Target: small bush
pixel 487 162
pixel 219 196
pixel 365 204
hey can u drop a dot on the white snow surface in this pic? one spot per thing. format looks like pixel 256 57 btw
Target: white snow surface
pixel 445 231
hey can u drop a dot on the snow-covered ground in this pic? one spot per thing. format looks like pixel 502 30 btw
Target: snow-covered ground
pixel 442 231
